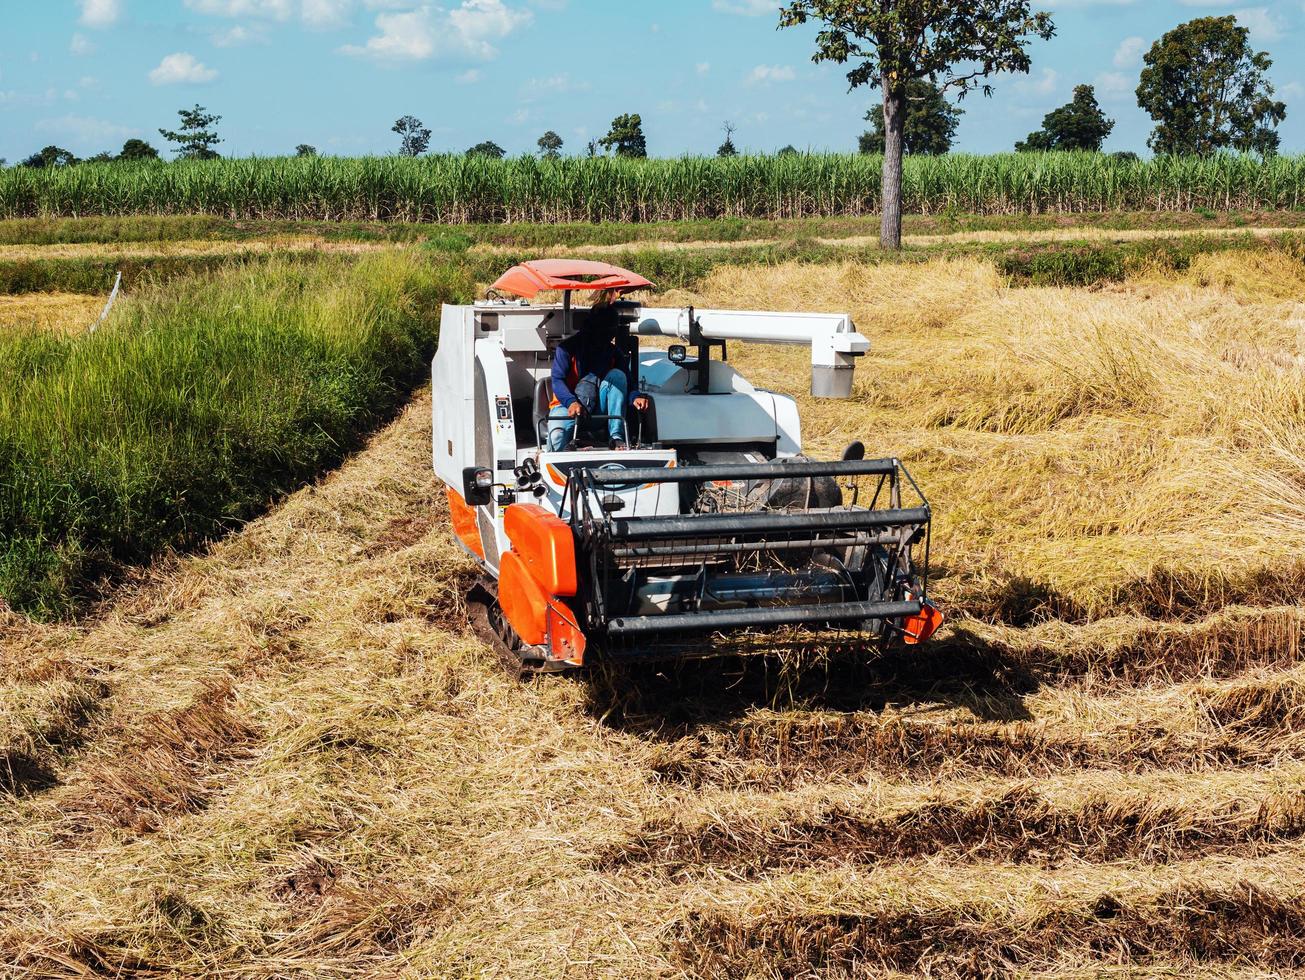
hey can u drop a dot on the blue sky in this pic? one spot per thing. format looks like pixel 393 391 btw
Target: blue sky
pixel 87 74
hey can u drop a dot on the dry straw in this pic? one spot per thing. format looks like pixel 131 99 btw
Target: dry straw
pixel 288 757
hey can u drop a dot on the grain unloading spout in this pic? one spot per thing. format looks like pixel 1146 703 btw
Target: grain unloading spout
pixel 835 344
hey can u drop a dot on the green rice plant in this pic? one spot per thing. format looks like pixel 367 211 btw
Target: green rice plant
pixel 461 190
pixel 198 404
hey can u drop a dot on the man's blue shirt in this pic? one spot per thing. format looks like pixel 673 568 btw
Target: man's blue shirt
pixel 582 355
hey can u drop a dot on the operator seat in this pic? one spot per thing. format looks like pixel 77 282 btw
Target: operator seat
pixel 542 402
pixel 644 427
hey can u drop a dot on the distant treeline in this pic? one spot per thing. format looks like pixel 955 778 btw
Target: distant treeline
pixel 462 189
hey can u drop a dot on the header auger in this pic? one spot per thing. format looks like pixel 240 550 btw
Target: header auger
pixel 640 505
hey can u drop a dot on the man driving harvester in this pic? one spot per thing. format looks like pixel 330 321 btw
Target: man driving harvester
pixel 588 380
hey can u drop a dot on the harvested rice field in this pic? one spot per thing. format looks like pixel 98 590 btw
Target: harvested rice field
pixel 288 754
pixel 62 313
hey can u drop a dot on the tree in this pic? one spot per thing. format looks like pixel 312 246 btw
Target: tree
pixel 592 147
pixel 51 156
pixel 550 145
pixel 1078 125
pixel 929 127
pixel 195 140
pixel 727 149
pixel 626 136
pixel 892 42
pixel 1206 89
pixel 414 137
pixel 305 150
pixel 135 149
pixel 487 149
pixel 788 151
pixel 104 156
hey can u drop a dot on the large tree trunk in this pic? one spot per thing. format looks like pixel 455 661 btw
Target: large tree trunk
pixel 890 234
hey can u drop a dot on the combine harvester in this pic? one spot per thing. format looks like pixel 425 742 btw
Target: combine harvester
pixel 711 534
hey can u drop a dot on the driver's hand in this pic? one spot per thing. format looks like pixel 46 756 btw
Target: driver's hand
pixel 576 410
pixel 641 403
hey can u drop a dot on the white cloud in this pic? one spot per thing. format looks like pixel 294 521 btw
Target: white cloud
pixel 325 13
pixel 480 22
pixel 1114 85
pixel 469 31
pixel 555 85
pixel 1044 84
pixel 182 69
pixel 81 45
pixel 765 74
pixel 1129 52
pixel 403 37
pixel 703 67
pixel 749 8
pixel 84 129
pixel 470 77
pixel 1292 90
pixel 273 9
pixel 313 13
pixel 100 13
pixel 13 97
pixel 239 35
pixel 1263 24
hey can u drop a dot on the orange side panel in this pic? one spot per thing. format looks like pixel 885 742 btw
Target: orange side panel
pixel 565 636
pixel 465 524
pixel 522 599
pixel 920 627
pixel 545 543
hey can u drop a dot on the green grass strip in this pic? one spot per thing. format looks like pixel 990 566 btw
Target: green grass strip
pixel 195 407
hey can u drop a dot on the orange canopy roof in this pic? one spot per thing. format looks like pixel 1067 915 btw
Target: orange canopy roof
pixel 530 278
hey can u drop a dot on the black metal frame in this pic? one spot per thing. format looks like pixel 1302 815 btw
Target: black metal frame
pixel 888 588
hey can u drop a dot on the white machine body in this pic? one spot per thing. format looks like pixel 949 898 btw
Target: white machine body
pixel 488 399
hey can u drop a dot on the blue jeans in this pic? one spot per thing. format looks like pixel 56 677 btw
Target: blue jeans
pixel 612 392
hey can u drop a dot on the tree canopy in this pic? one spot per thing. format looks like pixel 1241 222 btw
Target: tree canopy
pixel 50 156
pixel 550 145
pixel 195 139
pixel 728 149
pixel 1078 125
pixel 626 136
pixel 135 149
pixel 930 124
pixel 305 150
pixel 488 148
pixel 1206 89
pixel 889 43
pixel 414 138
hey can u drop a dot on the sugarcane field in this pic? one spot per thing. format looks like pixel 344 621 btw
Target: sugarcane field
pixel 870 547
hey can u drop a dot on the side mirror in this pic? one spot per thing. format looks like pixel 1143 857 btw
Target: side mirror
pixel 478 486
pixel 677 354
